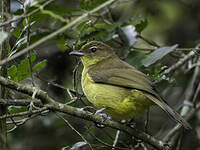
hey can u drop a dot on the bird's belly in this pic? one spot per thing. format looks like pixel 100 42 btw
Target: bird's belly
pixel 120 102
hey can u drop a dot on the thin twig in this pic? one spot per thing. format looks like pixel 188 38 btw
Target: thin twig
pixel 186 109
pixel 116 139
pixel 20 102
pixel 173 131
pixel 21 114
pixel 69 91
pixel 180 138
pixel 189 98
pixel 153 49
pixel 147 121
pixel 21 122
pixel 61 87
pixel 180 62
pixel 195 95
pixel 25 15
pixel 67 122
pixel 61 30
pixel 20 36
pixel 106 144
pixel 51 104
pixel 150 42
pixel 27 45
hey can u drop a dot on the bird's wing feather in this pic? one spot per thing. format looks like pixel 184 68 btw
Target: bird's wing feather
pixel 173 114
pixel 127 78
pixel 134 79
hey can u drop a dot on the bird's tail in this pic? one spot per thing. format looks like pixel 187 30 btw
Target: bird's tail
pixel 173 114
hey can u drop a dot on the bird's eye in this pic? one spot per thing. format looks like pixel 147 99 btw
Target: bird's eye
pixel 93 49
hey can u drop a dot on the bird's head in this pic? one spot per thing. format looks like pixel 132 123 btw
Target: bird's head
pixel 94 52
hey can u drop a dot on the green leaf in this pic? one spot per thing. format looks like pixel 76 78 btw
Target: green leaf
pixel 141 26
pixel 16 32
pixel 157 55
pixel 3 36
pixel 39 66
pixel 22 70
pixel 9 49
pixel 81 26
pixel 24 22
pixel 157 75
pixel 135 58
pixel 38 17
pixel 16 109
pixel 33 56
pixel 12 73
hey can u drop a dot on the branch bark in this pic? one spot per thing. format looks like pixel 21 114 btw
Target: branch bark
pixel 77 112
pixel 180 62
pixel 188 100
pixel 3 72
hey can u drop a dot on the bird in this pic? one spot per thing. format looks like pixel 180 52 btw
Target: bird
pixel 112 84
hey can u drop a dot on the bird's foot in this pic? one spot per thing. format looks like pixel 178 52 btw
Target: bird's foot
pixel 104 115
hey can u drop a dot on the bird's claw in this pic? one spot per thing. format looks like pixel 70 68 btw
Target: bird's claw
pixel 104 115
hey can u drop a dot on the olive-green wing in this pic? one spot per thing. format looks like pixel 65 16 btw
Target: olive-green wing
pixel 134 79
pixel 123 77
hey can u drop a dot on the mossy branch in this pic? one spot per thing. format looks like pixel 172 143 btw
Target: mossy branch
pixel 52 105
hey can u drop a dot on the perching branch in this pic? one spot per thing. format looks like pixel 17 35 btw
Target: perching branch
pixel 20 102
pixel 153 49
pixel 68 124
pixel 173 132
pixel 52 105
pixel 39 111
pixel 187 109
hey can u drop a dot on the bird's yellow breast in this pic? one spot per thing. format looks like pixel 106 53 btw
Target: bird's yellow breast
pixel 118 101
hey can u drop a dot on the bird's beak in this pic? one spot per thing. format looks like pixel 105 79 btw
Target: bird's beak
pixel 77 53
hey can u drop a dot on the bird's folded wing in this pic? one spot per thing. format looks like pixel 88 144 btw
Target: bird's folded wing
pixel 133 79
pixel 127 78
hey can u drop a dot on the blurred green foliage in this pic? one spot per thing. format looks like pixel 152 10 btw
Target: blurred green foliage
pixel 22 70
pixel 165 22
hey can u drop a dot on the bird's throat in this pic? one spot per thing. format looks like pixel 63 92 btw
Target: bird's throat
pixel 89 62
